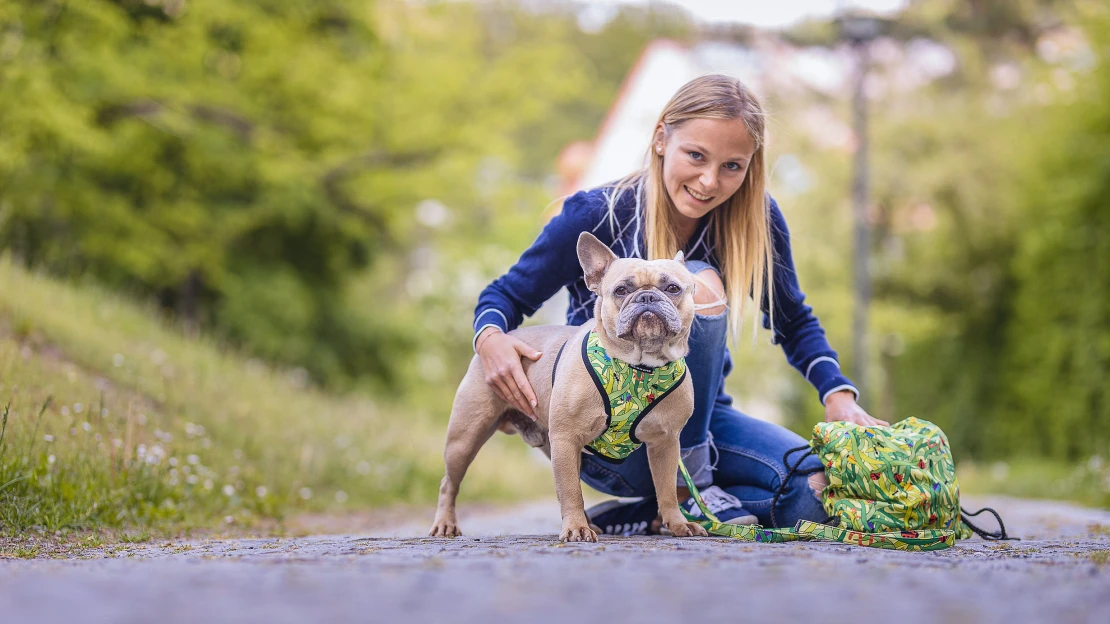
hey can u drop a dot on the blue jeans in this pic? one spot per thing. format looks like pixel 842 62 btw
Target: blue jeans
pixel 748 452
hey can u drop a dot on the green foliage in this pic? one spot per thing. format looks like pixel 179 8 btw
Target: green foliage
pixel 990 229
pixel 246 163
pixel 115 421
pixel 1017 358
pixel 1058 343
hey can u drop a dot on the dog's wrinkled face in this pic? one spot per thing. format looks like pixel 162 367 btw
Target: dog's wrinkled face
pixel 644 307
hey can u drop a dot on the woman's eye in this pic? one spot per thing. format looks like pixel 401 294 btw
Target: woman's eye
pixel 695 155
pixel 674 289
pixel 731 166
pixel 620 291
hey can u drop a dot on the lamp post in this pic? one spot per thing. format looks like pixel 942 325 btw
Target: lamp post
pixel 860 30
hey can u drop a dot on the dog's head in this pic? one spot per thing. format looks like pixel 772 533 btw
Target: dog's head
pixel 644 308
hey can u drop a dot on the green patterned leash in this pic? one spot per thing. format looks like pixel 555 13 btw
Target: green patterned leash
pixel 919 540
pixel 748 533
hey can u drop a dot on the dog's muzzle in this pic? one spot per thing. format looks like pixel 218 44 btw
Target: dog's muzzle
pixel 648 302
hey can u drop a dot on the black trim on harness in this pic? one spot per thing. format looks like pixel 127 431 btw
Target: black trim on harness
pixel 608 407
pixel 597 384
pixel 555 366
pixel 632 429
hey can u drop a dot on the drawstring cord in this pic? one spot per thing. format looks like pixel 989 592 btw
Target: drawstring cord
pixel 987 535
pixel 795 469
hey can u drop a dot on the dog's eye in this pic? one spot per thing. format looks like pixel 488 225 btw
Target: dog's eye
pixel 620 291
pixel 674 289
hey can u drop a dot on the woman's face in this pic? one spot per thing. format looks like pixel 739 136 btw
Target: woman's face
pixel 704 162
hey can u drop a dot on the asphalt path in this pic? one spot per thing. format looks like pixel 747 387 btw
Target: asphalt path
pixel 510 566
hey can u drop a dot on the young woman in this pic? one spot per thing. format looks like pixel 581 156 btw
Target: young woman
pixel 702 192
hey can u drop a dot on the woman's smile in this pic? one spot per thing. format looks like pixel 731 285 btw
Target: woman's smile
pixel 705 199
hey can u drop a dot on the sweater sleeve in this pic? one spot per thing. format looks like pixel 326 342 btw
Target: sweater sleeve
pixel 796 328
pixel 550 263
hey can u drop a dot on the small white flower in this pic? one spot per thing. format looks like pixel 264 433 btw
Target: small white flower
pixel 306 493
pixel 229 519
pixel 64 410
pixel 229 490
pixel 50 460
pixel 48 437
pixel 260 491
pixel 192 459
pixel 173 461
pixel 78 408
pixel 117 360
pixel 208 484
pixel 340 496
pixel 85 425
pixel 192 479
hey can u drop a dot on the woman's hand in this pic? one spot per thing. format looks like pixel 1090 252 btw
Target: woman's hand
pixel 500 354
pixel 842 406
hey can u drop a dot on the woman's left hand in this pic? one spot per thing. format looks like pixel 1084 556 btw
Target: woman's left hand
pixel 842 406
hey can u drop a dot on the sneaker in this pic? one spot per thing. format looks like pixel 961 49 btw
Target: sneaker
pixel 623 516
pixel 725 506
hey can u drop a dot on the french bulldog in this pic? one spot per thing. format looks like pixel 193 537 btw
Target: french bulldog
pixel 643 314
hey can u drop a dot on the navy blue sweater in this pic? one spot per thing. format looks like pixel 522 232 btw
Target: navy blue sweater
pixel 552 263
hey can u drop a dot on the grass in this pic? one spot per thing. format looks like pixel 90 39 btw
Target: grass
pixel 1086 482
pixel 116 421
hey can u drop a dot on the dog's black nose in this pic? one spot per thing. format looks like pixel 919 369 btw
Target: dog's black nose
pixel 647 296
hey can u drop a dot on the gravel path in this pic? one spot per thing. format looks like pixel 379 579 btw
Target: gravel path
pixel 510 565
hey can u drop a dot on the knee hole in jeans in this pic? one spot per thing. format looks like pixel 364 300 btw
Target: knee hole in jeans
pixel 818 482
pixel 710 289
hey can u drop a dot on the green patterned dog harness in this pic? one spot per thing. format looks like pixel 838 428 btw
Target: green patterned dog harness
pixel 628 393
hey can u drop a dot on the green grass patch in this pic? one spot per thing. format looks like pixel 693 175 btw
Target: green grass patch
pixel 116 420
pixel 1086 482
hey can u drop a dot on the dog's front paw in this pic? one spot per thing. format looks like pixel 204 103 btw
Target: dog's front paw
pixel 445 528
pixel 686 529
pixel 578 533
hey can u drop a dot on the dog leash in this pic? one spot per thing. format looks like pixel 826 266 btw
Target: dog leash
pixel 917 541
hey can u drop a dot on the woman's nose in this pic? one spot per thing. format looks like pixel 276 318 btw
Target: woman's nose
pixel 709 181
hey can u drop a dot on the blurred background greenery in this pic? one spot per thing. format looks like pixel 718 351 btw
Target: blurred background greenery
pixel 271 220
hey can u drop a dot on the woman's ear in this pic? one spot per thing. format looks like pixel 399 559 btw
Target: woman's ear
pixel 659 140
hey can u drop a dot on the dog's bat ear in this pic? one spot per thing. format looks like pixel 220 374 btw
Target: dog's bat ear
pixel 595 259
pixel 680 258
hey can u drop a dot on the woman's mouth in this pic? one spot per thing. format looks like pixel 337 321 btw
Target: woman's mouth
pixel 704 199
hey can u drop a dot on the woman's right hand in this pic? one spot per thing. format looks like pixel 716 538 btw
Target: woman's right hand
pixel 500 354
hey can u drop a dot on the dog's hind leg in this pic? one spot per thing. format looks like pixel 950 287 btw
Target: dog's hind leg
pixel 473 421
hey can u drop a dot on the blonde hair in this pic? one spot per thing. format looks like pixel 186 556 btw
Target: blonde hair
pixel 739 227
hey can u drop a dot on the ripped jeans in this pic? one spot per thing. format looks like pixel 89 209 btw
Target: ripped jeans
pixel 746 453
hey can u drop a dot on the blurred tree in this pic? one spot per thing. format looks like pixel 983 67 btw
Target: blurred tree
pixel 1057 354
pixel 245 161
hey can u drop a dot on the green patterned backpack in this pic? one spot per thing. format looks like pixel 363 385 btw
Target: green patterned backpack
pixel 889 487
pixel 889 478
